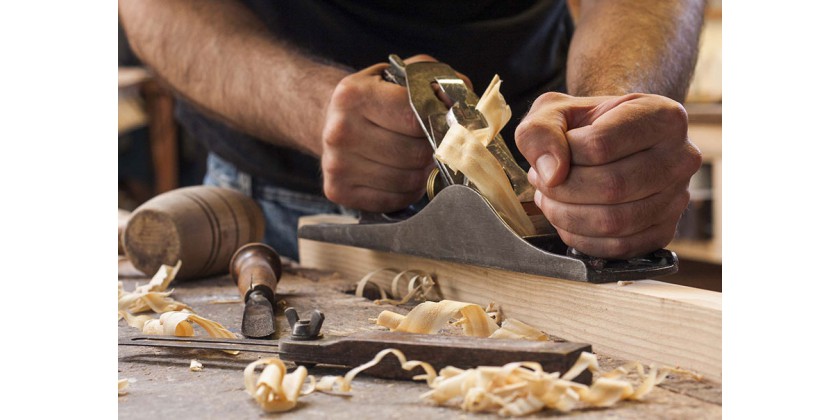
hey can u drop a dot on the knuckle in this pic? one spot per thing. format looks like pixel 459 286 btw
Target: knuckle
pixel 332 166
pixel 531 130
pixel 694 158
pixel 686 163
pixel 614 187
pixel 619 248
pixel 556 215
pixel 609 223
pixel 675 114
pixel 549 98
pixel 410 121
pixel 598 149
pixel 422 58
pixel 337 132
pixel 333 191
pixel 347 93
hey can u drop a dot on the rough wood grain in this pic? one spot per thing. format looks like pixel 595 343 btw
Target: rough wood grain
pixel 647 320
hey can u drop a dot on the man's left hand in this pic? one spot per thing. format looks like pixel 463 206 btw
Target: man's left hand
pixel 611 173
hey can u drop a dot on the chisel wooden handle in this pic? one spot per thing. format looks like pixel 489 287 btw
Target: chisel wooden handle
pixel 256 266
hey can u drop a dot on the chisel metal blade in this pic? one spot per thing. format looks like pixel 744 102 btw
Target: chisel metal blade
pixel 258 318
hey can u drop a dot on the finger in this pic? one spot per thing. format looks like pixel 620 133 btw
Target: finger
pixel 389 107
pixel 632 178
pixel 341 131
pixel 541 137
pixel 624 126
pixel 644 242
pixel 388 179
pixel 619 220
pixel 389 148
pixel 383 103
pixel 373 200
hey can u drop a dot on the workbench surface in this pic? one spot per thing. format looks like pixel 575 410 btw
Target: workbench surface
pixel 161 384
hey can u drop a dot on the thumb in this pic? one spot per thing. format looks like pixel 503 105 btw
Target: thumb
pixel 541 137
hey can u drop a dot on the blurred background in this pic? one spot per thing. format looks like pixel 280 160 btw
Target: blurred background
pixel 156 156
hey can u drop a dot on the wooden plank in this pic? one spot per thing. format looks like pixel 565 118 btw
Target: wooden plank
pixel 647 320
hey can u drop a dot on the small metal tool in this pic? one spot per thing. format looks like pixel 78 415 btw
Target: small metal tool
pixel 256 269
pixel 303 329
pixel 350 351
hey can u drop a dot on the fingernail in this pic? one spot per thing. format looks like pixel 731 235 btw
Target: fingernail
pixel 533 177
pixel 538 198
pixel 546 166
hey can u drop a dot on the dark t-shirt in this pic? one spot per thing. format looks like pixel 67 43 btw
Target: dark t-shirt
pixel 525 42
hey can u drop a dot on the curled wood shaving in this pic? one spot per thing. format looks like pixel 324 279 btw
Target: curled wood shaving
pixel 419 286
pixel 495 311
pixel 178 324
pixel 160 281
pixel 275 390
pixel 523 388
pixel 431 317
pixel 328 383
pixel 122 386
pixel 466 151
pixel 512 328
pixel 152 296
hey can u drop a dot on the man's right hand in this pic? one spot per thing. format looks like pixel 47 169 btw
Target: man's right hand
pixel 375 155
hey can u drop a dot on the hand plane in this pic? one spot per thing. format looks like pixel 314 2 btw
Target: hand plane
pixel 455 222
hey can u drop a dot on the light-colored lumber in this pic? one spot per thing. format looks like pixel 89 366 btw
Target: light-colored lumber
pixel 648 321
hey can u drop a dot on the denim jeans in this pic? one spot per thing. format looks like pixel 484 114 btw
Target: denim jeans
pixel 281 207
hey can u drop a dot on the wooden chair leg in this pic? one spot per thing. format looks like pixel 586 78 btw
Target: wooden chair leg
pixel 163 136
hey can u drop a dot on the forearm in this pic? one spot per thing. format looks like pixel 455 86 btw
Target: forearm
pixel 623 46
pixel 220 57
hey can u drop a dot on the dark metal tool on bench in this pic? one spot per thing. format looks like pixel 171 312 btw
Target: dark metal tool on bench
pixel 256 269
pixel 351 351
pixel 458 224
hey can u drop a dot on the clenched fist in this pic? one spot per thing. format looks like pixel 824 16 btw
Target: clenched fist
pixel 611 173
pixel 375 155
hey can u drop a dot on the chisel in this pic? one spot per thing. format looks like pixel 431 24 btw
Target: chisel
pixel 256 269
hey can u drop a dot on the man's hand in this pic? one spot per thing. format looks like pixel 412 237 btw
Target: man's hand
pixel 611 173
pixel 375 155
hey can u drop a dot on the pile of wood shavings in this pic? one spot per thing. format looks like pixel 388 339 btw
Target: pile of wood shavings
pixel 152 296
pixel 518 389
pixel 175 319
